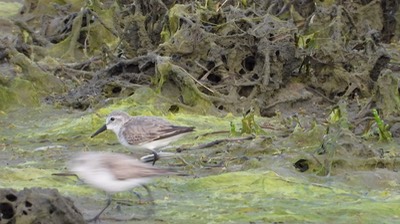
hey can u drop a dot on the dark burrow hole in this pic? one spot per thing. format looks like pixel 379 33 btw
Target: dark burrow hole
pixel 220 107
pixel 267 112
pixel 28 204
pixel 210 65
pixel 245 91
pixel 6 210
pixel 380 165
pixel 301 165
pixel 223 59
pixel 132 68
pixel 116 89
pixel 348 67
pixel 271 37
pixel 217 19
pixel 11 197
pixel 52 209
pixel 244 25
pixel 249 63
pixel 356 92
pixel 255 77
pixel 173 109
pixel 214 78
pixel 175 57
pixel 82 38
pixel 79 106
pixel 115 70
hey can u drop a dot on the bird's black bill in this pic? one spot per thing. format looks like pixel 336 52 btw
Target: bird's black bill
pixel 103 128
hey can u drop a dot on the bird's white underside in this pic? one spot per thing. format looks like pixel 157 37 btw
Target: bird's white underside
pixel 101 177
pixel 151 145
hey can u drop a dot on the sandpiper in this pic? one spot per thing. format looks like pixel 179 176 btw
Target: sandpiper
pixel 143 131
pixel 113 172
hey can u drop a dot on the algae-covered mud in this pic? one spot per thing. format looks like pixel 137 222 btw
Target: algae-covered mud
pixel 241 181
pixel 296 106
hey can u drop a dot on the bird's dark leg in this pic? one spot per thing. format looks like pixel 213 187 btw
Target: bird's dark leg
pixel 138 196
pixel 155 157
pixel 96 218
pixel 148 192
pixel 151 158
pixel 151 210
pixel 141 201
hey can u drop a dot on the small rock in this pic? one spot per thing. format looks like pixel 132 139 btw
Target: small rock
pixel 37 205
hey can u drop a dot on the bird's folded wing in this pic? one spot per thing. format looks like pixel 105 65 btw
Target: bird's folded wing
pixel 124 167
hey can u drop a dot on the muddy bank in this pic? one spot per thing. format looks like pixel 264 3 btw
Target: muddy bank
pixel 216 58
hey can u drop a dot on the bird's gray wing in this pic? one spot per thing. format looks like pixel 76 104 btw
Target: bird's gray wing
pixel 146 129
pixel 125 167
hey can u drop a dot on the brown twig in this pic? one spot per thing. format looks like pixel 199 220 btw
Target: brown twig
pixel 65 175
pixel 103 23
pixel 319 94
pixel 211 133
pixel 36 37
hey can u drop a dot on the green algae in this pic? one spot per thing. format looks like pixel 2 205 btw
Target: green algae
pixel 19 178
pixel 7 98
pixel 262 188
pixel 309 137
pixel 384 132
pixel 28 86
pixel 174 15
pixel 44 83
pixel 8 9
pixel 98 37
pixel 388 97
pixel 268 190
pixel 236 197
pixel 261 196
pixel 18 92
pixel 191 95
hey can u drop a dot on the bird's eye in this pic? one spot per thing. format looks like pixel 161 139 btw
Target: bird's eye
pixel 112 119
